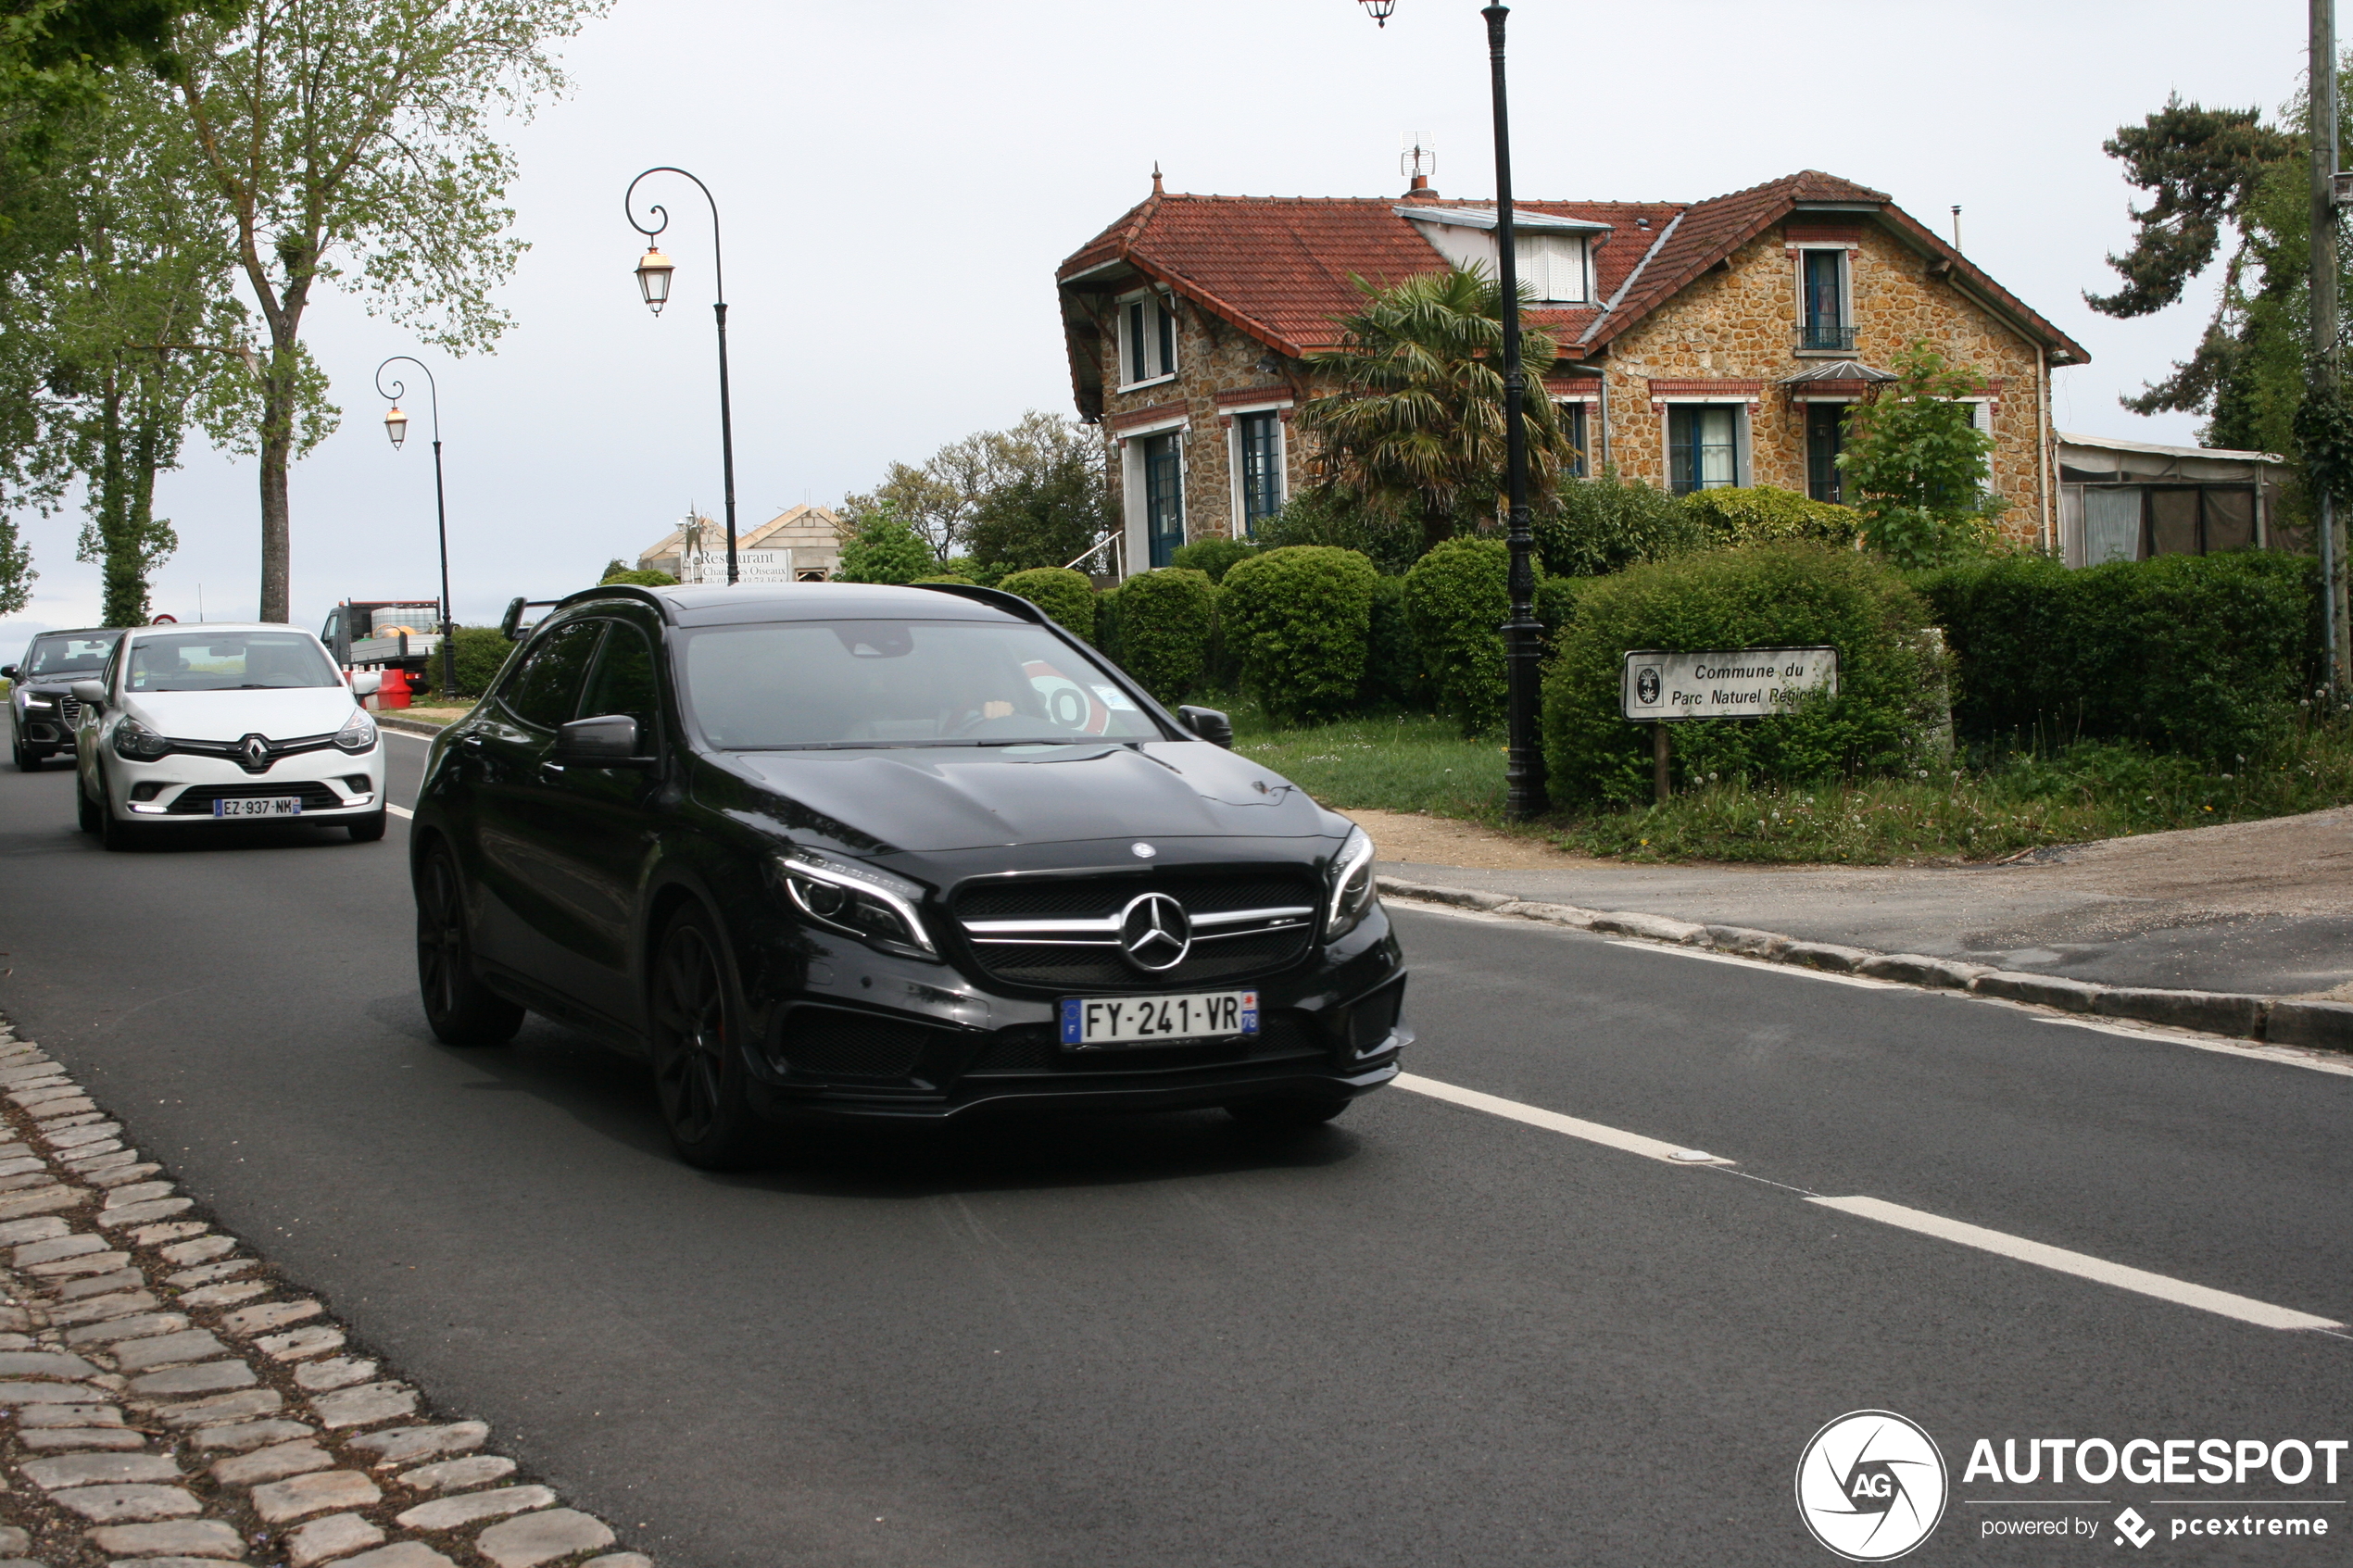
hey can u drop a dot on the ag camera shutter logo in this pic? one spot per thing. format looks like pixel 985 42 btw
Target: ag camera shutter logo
pixel 1871 1486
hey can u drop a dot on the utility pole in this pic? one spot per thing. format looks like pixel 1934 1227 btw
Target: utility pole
pixel 2323 368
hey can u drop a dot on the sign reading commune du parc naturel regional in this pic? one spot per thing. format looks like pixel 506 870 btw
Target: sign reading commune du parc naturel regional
pixel 1733 683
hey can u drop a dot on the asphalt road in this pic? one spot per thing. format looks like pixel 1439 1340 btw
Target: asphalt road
pixel 1428 1335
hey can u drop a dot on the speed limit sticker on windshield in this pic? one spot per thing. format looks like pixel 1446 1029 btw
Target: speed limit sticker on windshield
pixel 1139 1021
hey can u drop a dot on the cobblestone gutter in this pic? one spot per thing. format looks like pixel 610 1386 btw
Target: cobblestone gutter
pixel 166 1402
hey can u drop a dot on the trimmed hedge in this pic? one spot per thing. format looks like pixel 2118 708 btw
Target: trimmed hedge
pixel 480 653
pixel 1301 616
pixel 1216 557
pixel 1603 525
pixel 1159 625
pixel 1760 514
pixel 1777 595
pixel 1457 598
pixel 1066 595
pixel 1395 675
pixel 2204 655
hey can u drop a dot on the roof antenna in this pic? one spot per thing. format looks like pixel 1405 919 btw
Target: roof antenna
pixel 1420 162
pixel 1156 190
pixel 1956 228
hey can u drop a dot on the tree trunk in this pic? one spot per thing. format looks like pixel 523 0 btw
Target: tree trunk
pixel 124 596
pixel 277 451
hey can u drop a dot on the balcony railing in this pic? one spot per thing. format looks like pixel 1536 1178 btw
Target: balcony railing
pixel 1826 334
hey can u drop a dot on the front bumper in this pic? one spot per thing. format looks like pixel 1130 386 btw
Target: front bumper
pixel 862 1036
pixel 332 785
pixel 48 729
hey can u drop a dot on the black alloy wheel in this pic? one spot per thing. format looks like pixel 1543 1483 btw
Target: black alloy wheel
pixel 1288 1112
pixel 367 829
pixel 698 1072
pixel 461 1009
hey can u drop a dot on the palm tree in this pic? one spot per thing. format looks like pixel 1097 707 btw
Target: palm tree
pixel 1416 416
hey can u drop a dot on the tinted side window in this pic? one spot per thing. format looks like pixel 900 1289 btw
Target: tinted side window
pixel 625 682
pixel 546 691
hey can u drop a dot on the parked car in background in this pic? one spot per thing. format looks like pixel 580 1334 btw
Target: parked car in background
pixel 903 854
pixel 225 724
pixel 42 710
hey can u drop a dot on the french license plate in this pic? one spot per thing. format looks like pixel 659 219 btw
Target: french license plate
pixel 264 805
pixel 1149 1021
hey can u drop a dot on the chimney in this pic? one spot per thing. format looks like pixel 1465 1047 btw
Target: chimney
pixel 1420 162
pixel 1419 189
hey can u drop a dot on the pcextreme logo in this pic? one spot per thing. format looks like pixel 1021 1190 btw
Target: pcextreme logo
pixel 1871 1486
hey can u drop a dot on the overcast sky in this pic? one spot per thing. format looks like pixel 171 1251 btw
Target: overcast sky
pixel 898 181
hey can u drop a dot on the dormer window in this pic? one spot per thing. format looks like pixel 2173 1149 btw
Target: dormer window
pixel 1147 340
pixel 1553 253
pixel 1825 315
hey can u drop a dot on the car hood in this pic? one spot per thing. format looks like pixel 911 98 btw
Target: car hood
pixel 280 715
pixel 932 801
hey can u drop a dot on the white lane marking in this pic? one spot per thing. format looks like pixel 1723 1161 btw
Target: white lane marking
pixel 2286 1056
pixel 398 811
pixel 1762 965
pixel 2099 1270
pixel 1552 1121
pixel 2260 1314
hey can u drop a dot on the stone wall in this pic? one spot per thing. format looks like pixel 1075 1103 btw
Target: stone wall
pixel 1741 324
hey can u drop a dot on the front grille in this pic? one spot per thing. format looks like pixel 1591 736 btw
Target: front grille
pixel 830 1043
pixel 1004 925
pixel 69 713
pixel 196 799
pixel 1281 1035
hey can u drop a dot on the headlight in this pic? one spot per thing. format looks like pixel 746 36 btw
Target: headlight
pixel 1353 894
pixel 359 734
pixel 39 702
pixel 877 908
pixel 133 741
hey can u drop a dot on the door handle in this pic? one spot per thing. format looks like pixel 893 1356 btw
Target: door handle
pixel 552 771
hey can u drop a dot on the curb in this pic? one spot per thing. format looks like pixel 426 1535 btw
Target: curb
pixel 2278 1020
pixel 407 726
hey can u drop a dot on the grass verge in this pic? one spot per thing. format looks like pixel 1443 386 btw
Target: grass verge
pixel 1985 809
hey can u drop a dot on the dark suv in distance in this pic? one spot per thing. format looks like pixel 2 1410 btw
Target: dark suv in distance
pixel 901 853
pixel 43 709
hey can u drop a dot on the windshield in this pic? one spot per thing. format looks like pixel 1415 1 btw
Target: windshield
pixel 229 661
pixel 78 657
pixel 856 683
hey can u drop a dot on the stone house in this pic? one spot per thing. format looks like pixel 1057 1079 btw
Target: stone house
pixel 1703 344
pixel 798 545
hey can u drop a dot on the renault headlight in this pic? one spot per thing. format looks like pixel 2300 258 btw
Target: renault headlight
pixel 1353 894
pixel 133 741
pixel 358 734
pixel 877 908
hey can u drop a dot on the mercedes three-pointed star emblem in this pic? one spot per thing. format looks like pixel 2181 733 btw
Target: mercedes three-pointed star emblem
pixel 1154 932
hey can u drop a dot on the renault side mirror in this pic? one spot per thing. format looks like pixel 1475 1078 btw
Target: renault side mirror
pixel 1210 724
pixel 607 741
pixel 367 683
pixel 93 693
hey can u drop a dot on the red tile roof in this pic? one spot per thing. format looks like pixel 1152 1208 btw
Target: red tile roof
pixel 1281 268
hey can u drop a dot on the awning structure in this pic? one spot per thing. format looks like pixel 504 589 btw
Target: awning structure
pixel 1834 379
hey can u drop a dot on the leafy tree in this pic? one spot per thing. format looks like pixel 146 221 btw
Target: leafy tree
pixel 1916 461
pixel 352 140
pixel 885 549
pixel 1419 416
pixel 1376 527
pixel 1031 495
pixel 616 573
pixel 1606 524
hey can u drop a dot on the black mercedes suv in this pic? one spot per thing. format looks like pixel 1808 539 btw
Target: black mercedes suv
pixel 848 850
pixel 43 710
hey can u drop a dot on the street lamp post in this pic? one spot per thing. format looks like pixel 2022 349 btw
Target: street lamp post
pixel 396 427
pixel 1524 771
pixel 653 281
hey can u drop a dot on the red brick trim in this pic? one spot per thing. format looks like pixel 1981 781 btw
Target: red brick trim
pixel 1574 389
pixel 1256 397
pixel 1663 390
pixel 1847 234
pixel 1153 415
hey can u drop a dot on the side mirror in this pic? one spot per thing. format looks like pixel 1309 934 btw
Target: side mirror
pixel 7 672
pixel 511 624
pixel 608 741
pixel 367 683
pixel 1210 724
pixel 93 693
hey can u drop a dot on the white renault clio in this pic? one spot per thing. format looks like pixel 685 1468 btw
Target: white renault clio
pixel 225 724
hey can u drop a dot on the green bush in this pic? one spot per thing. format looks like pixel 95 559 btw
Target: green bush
pixel 944 577
pixel 1063 593
pixel 480 651
pixel 885 550
pixel 1778 596
pixel 1457 598
pixel 1388 535
pixel 1159 625
pixel 1556 605
pixel 637 579
pixel 2202 655
pixel 1301 618
pixel 1608 525
pixel 1759 514
pixel 1213 555
pixel 1395 675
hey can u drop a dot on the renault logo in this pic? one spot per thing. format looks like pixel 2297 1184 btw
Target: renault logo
pixel 1154 932
pixel 255 751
